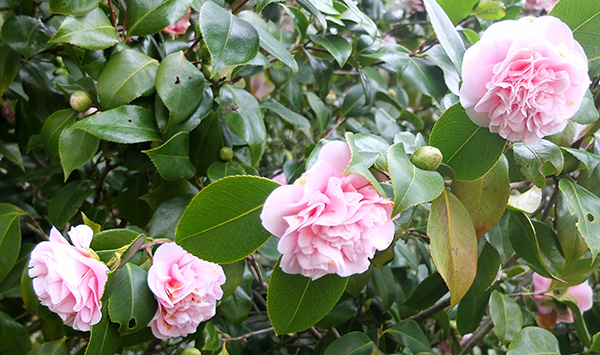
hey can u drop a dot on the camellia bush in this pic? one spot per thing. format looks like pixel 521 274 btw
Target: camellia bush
pixel 299 177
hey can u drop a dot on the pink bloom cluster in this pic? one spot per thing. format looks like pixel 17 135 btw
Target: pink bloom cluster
pixel 547 315
pixel 68 279
pixel 186 288
pixel 524 78
pixel 535 6
pixel 179 27
pixel 328 222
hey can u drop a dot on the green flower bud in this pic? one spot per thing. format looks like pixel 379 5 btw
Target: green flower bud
pixel 427 158
pixel 226 154
pixel 330 98
pixel 191 351
pixel 80 101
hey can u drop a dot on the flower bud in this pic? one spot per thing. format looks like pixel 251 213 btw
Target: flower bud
pixel 427 158
pixel 191 351
pixel 330 98
pixel 80 101
pixel 226 154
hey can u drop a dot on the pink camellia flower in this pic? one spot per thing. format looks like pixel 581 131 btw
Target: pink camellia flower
pixel 524 78
pixel 68 279
pixel 535 6
pixel 181 26
pixel 547 315
pixel 328 222
pixel 187 289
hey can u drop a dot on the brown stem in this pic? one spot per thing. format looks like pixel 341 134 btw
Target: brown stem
pixel 125 23
pixel 521 185
pixel 35 223
pixel 113 17
pixel 338 123
pixel 196 41
pixel 550 204
pixel 421 316
pixel 245 336
pixel 478 335
pixel 239 7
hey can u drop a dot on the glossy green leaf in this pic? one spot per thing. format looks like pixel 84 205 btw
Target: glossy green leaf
pixel 427 293
pixel 534 340
pixel 588 159
pixel 112 239
pixel 586 206
pixel 353 343
pixel 76 148
pixel 488 266
pixel 506 315
pixel 446 33
pixel 167 216
pixel 205 143
pixel 72 7
pixel 467 148
pixel 550 248
pixel 486 198
pixel 457 10
pixel 56 347
pixel 425 77
pixel 234 274
pixel 10 62
pixel 242 114
pixel 10 237
pixel 357 165
pixel 285 113
pixel 538 160
pixel 309 6
pixel 299 19
pixel 54 126
pixel 124 124
pixel 339 48
pixel 525 242
pixel 12 152
pixel 384 284
pixel 128 75
pixel 65 204
pixel 26 35
pixel 572 243
pixel 363 20
pixel 146 17
pixel 587 112
pixel 131 304
pixel 14 337
pixel 261 4
pixel 179 84
pixel 131 207
pixel 410 334
pixel 470 311
pixel 104 338
pixel 584 19
pixel 236 308
pixel 230 40
pixel 91 31
pixel 453 244
pixel 225 213
pixel 490 10
pixel 355 103
pixel 172 158
pixel 295 302
pixel 412 186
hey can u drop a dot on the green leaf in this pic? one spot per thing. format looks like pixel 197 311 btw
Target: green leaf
pixel 112 239
pixel 488 265
pixel 470 312
pixel 467 148
pixel 425 77
pixel 10 63
pixel 299 19
pixel 66 202
pixel 427 293
pixel 538 160
pixel 587 112
pixel 128 75
pixel 588 159
pixel 525 242
pixel 241 113
pixel 14 337
pixel 295 302
pixel 534 340
pixel 124 124
pixel 104 339
pixel 363 20
pixel 234 274
pixel 167 216
pixel 353 343
pixel 446 33
pixel 486 198
pixel 56 347
pixel 76 148
pixel 131 303
pixel 339 48
pixel 453 244
pixel 572 243
pixel 146 17
pixel 236 308
pixel 178 83
pixel 309 6
pixel 72 7
pixel 54 126
pixel 580 326
pixel 506 316
pixel 357 166
pixel 205 143
pixel 355 103
pixel 412 186
pixel 285 113
pixel 12 152
pixel 10 237
pixel 91 31
pixel 26 35
pixel 384 284
pixel 457 10
pixel 410 334
pixel 261 4
pixel 172 158
pixel 490 10
pixel 131 207
pixel 230 40
pixel 586 206
pixel 225 213
pixel 584 19
pixel 527 201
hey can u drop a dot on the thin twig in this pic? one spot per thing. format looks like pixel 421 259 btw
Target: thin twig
pixel 196 41
pixel 421 316
pixel 521 185
pixel 339 122
pixel 35 223
pixel 239 7
pixel 550 204
pixel 113 17
pixel 478 335
pixel 245 336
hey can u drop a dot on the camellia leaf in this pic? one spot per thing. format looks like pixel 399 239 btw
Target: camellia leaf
pixel 410 334
pixel 261 4
pixel 427 293
pixel 470 311
pixel 339 48
pixel 506 316
pixel 583 18
pixel 467 148
pixel 490 10
pixel 353 343
pixel 128 75
pixel 488 264
pixel 56 347
pixel 104 338
pixel 587 112
pixel 72 7
pixel 230 40
pixel 12 152
pixel 124 124
pixel 285 113
pixel 486 198
pixel 10 237
pixel 172 158
pixel 538 160
pixel 446 33
pixel 295 302
pixel 54 126
pixel 525 243
pixel 412 186
pixel 225 212
pixel 178 83
pixel 146 17
pixel 586 206
pixel 588 159
pixel 76 148
pixel 91 31
pixel 10 62
pixel 26 35
pixel 534 340
pixel 457 10
pixel 67 201
pixel 131 303
pixel 357 165
pixel 453 244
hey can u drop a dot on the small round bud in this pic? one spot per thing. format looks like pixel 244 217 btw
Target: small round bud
pixel 392 93
pixel 330 98
pixel 427 158
pixel 80 101
pixel 191 351
pixel 226 154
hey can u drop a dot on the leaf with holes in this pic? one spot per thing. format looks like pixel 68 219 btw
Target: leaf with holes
pixel 146 17
pixel 538 160
pixel 588 159
pixel 91 31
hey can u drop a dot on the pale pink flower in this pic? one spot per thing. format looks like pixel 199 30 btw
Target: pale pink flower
pixel 415 6
pixel 181 26
pixel 535 6
pixel 68 279
pixel 280 178
pixel 328 222
pixel 547 315
pixel 524 78
pixel 187 289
